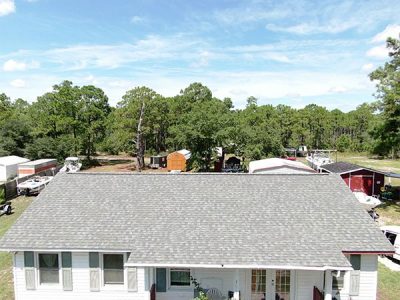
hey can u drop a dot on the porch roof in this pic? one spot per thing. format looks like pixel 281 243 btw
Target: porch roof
pixel 303 221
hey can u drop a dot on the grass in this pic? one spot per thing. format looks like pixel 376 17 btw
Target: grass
pixel 388 283
pixel 6 276
pixel 389 213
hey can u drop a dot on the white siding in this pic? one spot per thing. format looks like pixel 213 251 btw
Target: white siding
pixel 81 284
pixel 222 279
pixel 368 280
pixel 305 282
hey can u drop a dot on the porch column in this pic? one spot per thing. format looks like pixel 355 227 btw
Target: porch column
pixel 328 285
pixel 237 285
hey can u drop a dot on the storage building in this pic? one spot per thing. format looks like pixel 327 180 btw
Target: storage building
pixel 36 166
pixel 177 161
pixel 357 178
pixel 9 166
pixel 278 166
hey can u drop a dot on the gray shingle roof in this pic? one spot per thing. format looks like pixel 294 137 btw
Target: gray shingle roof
pixel 230 219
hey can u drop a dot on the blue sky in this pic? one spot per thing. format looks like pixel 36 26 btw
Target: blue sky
pixel 289 52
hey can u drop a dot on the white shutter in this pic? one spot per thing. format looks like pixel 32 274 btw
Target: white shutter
pixel 67 279
pixel 354 283
pixel 132 279
pixel 95 279
pixel 30 278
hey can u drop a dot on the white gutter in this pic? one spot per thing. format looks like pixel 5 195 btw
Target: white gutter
pixel 64 250
pixel 213 266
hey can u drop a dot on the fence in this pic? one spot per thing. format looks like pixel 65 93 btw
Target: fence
pixel 10 187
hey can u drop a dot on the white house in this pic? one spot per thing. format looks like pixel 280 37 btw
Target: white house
pixel 278 166
pixel 241 236
pixel 9 166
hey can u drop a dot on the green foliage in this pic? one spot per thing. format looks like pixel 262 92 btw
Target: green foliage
pixel 343 143
pixel 198 288
pixel 2 195
pixel 387 132
pixel 72 120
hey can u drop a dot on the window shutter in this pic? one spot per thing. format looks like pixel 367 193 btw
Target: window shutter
pixel 354 283
pixel 161 283
pixel 29 260
pixel 94 271
pixel 66 262
pixel 132 279
pixel 29 264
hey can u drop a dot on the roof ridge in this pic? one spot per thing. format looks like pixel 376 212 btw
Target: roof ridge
pixel 196 174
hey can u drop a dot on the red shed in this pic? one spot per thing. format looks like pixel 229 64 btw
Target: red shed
pixel 358 179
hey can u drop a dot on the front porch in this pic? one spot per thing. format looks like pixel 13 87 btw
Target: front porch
pixel 243 284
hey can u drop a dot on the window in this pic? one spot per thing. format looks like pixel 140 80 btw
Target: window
pixel 49 268
pixel 282 284
pixel 180 277
pixel 113 265
pixel 258 281
pixel 338 281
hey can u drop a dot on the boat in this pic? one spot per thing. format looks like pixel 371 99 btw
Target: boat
pixel 368 201
pixel 318 158
pixel 71 165
pixel 33 186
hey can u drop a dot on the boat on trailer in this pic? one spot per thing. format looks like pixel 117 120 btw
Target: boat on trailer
pixel 318 158
pixel 71 165
pixel 33 186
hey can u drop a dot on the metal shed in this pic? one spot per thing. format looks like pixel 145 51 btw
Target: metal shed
pixel 9 166
pixel 357 178
pixel 279 166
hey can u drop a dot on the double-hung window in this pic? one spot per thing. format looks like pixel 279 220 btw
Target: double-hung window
pixel 113 268
pixel 180 277
pixel 49 268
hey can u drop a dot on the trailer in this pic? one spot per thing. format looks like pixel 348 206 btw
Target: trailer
pixel 36 166
pixel 9 166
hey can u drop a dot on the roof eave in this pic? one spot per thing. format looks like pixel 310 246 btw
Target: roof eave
pixel 233 266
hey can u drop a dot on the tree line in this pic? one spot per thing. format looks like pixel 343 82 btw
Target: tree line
pixel 73 120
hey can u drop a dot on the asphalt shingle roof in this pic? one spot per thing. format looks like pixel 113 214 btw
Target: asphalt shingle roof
pixel 230 219
pixel 343 167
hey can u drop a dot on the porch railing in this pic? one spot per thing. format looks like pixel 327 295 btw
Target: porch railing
pixel 153 292
pixel 317 294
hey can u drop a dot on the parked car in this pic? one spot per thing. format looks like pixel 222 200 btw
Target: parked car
pixel 393 235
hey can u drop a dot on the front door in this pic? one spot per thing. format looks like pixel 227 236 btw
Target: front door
pixel 282 285
pixel 258 284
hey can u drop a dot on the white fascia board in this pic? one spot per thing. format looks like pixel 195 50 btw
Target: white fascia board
pixel 63 250
pixel 281 267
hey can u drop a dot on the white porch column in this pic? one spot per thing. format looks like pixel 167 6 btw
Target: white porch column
pixel 237 285
pixel 328 285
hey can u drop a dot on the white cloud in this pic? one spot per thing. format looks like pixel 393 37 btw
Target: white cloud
pixel 137 19
pixel 368 67
pixel 309 28
pixel 18 83
pixel 378 52
pixel 392 30
pixel 12 65
pixel 6 7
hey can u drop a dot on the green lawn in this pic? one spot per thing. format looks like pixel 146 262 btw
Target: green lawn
pixel 6 277
pixel 388 283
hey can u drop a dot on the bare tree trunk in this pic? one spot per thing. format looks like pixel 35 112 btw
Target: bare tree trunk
pixel 139 142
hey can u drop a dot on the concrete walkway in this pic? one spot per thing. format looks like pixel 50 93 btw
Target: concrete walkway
pixel 392 265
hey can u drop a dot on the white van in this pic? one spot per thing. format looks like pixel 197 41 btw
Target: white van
pixel 393 235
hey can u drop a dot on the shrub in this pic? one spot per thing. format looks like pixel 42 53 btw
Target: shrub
pixel 2 196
